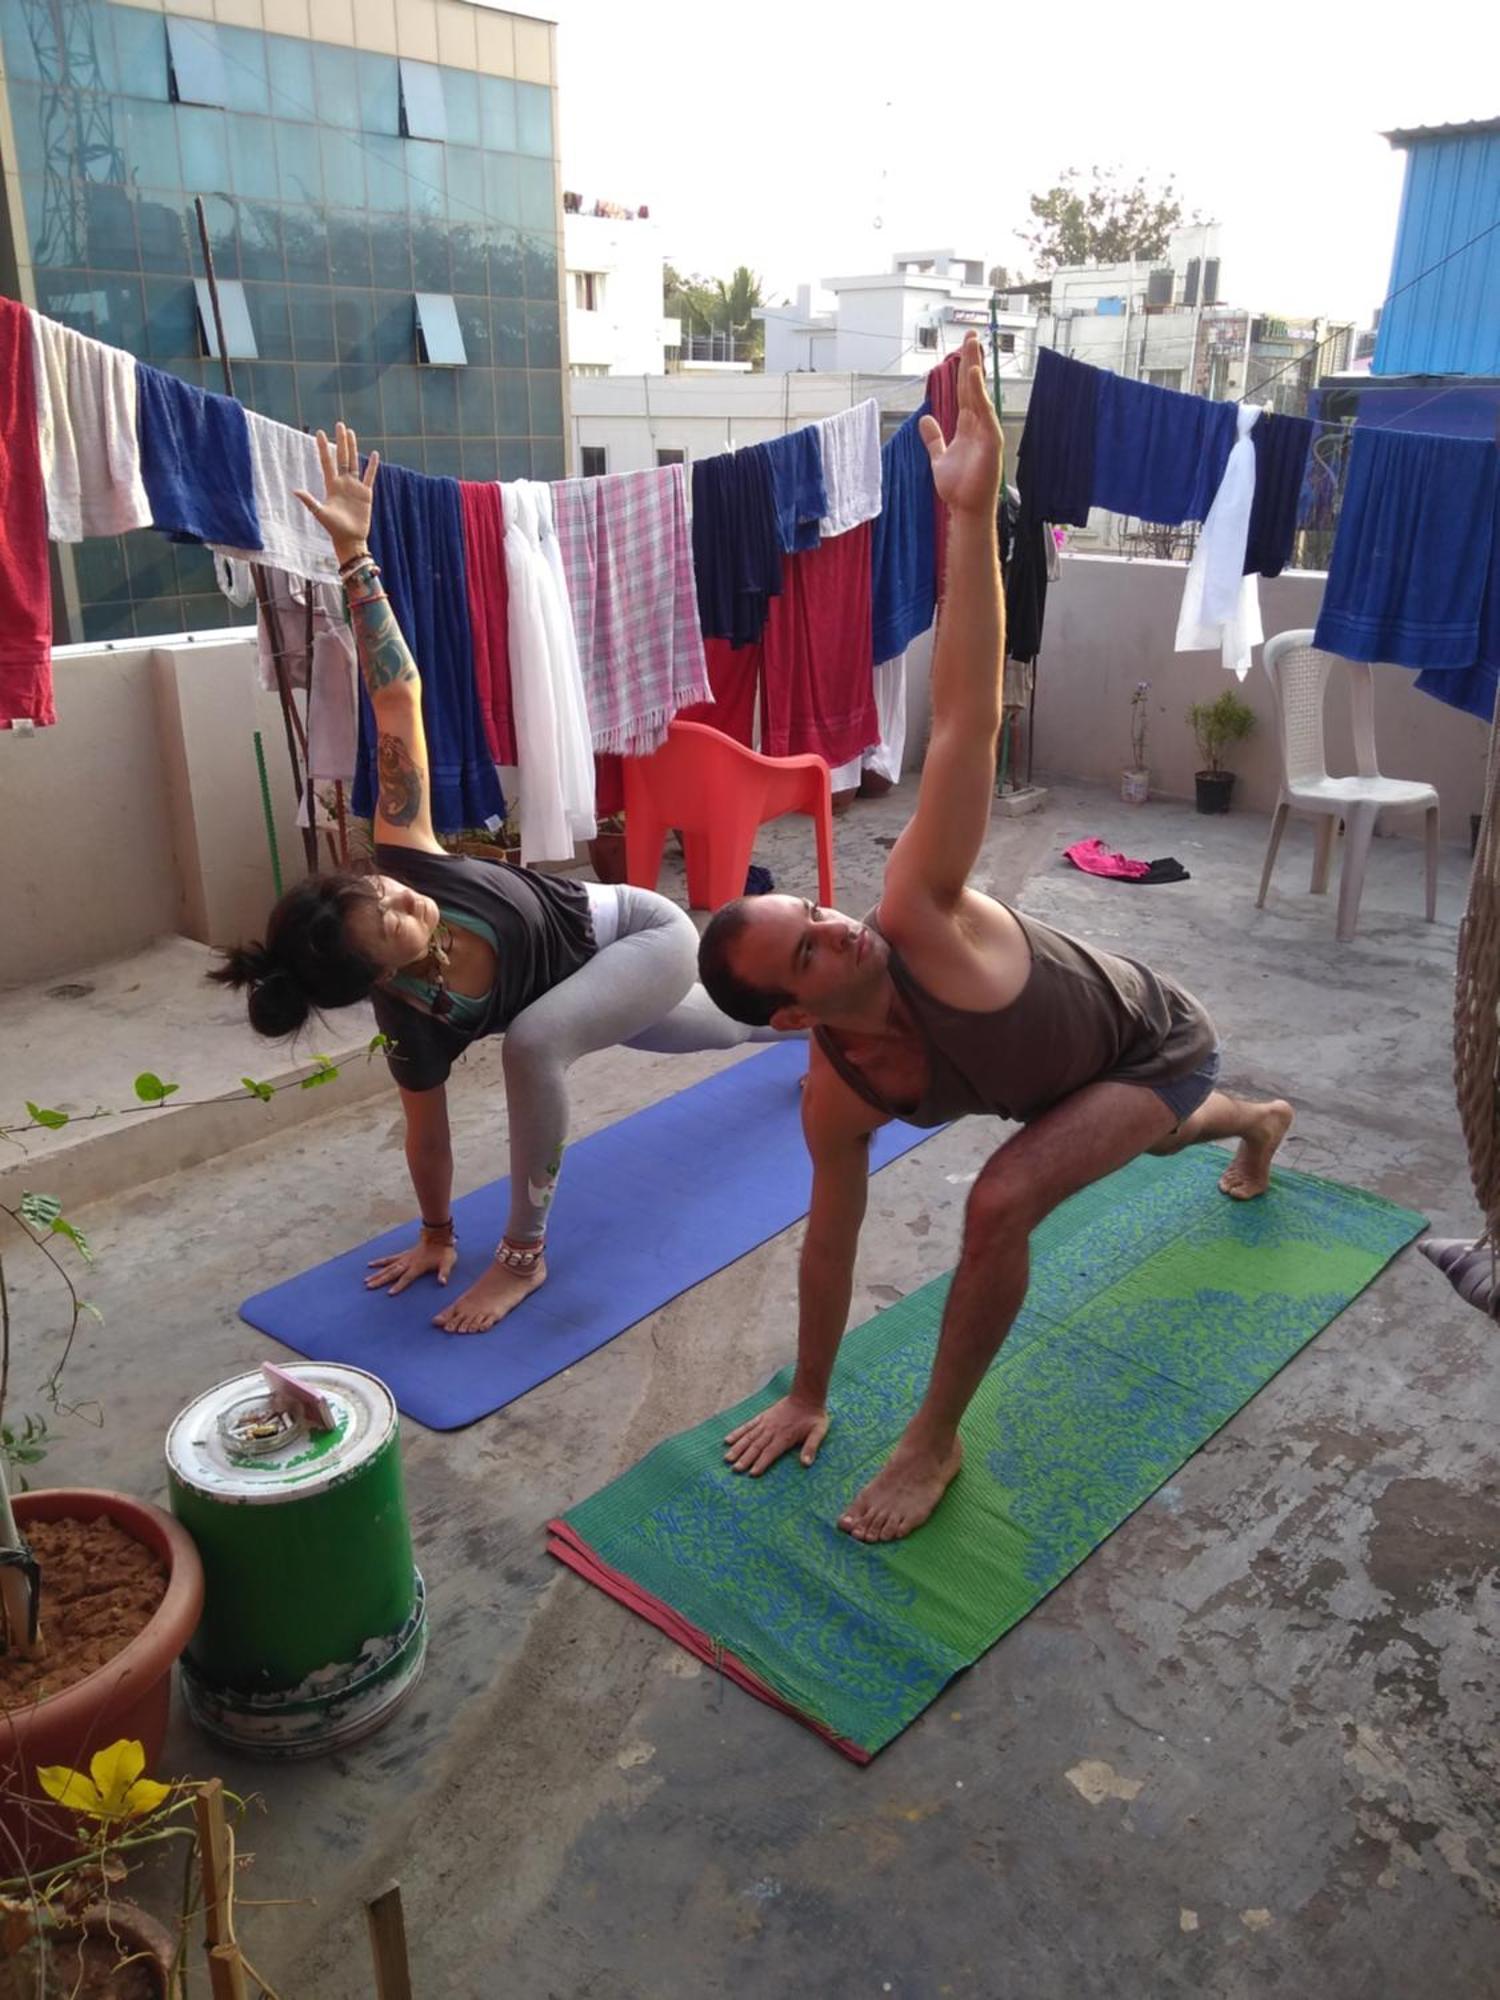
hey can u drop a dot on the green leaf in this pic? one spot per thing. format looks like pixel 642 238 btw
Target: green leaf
pixel 263 1091
pixel 325 1073
pixel 379 1042
pixel 40 1210
pixel 53 1120
pixel 62 1227
pixel 150 1089
pixel 88 1306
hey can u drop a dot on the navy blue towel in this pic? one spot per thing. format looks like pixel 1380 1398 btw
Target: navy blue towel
pixel 195 462
pixel 1413 551
pixel 903 560
pixel 736 544
pixel 1474 689
pixel 801 498
pixel 1158 454
pixel 1055 465
pixel 1281 448
pixel 417 538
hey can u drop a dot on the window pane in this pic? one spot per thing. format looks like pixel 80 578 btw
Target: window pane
pixel 252 157
pixel 359 397
pixel 538 195
pixel 354 326
pixel 220 214
pixel 439 403
pixel 437 322
pixel 541 266
pixel 534 119
pixel 671 455
pixel 304 235
pixel 150 143
pixel 271 317
pixel 481 458
pixel 474 325
pixel 423 114
pixel 497 114
pixel 502 194
pixel 239 334
pixel 470 256
pixel 349 249
pixel 512 406
pixel 431 265
pixel 379 95
pixel 163 236
pixel 401 393
pixel 384 175
pixel 508 333
pixel 593 461
pixel 312 324
pixel 271 388
pixel 507 269
pixel 426 188
pixel 171 325
pixel 205 150
pixel 289 64
pixel 111 228
pixel 299 164
pixel 445 458
pixel 54 225
pixel 336 78
pixel 461 102
pixel 261 253
pixel 197 62
pixel 343 166
pixel 140 53
pixel 547 458
pixel 244 53
pixel 390 253
pixel 465 184
pixel 515 458
pixel 476 402
pixel 546 403
pixel 542 346
pixel 26 115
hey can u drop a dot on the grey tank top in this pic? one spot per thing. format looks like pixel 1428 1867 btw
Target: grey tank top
pixel 1083 1016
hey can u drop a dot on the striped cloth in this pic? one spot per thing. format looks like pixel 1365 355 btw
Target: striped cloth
pixel 629 564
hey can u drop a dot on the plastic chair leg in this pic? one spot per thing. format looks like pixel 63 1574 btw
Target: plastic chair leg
pixel 644 840
pixel 1328 826
pixel 1432 863
pixel 1278 828
pixel 1359 831
pixel 822 819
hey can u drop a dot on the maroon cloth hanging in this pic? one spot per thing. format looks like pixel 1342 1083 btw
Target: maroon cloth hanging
pixel 489 612
pixel 25 579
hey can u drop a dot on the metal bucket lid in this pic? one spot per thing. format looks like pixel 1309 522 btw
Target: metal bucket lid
pixel 234 1443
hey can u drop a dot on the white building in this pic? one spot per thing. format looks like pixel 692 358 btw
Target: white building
pixel 613 287
pixel 898 322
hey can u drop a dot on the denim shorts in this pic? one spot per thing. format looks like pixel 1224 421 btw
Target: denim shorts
pixel 1183 1097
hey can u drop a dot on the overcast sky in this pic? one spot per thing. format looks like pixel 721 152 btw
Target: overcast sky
pixel 811 140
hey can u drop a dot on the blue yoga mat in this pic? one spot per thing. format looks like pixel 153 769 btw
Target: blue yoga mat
pixel 647 1208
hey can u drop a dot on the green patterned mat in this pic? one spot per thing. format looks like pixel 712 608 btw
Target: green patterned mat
pixel 1157 1309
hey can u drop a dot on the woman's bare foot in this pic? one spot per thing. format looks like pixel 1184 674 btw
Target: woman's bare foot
pixel 499 1291
pixel 1249 1172
pixel 903 1493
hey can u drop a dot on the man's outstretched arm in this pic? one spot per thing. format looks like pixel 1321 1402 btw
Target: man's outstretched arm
pixel 932 859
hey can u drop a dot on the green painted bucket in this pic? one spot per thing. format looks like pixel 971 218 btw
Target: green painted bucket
pixel 314 1619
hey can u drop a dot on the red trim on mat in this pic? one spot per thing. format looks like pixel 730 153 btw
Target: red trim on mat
pixel 563 1543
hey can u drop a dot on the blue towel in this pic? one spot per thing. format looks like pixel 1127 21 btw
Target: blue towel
pixel 1158 454
pixel 1055 465
pixel 1414 549
pixel 1474 689
pixel 903 563
pixel 1281 448
pixel 736 544
pixel 195 462
pixel 801 498
pixel 417 538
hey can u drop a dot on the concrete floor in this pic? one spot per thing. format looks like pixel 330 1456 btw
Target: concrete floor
pixel 1282 1667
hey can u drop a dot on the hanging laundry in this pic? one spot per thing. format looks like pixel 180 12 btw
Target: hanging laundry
pixel 903 579
pixel 819 688
pixel 489 612
pixel 86 434
pixel 1220 601
pixel 1158 454
pixel 1281 448
pixel 628 558
pixel 1055 464
pixel 195 462
pixel 282 463
pixel 798 487
pixel 553 744
pixel 942 405
pixel 734 684
pixel 416 537
pixel 25 578
pixel 885 758
pixel 323 663
pixel 850 446
pixel 736 544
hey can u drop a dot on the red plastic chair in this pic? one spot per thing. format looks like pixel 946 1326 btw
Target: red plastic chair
pixel 717 793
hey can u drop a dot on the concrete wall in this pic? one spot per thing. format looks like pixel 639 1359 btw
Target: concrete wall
pixel 625 333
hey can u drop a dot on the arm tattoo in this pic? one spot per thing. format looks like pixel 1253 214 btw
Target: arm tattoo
pixel 400 781
pixel 383 654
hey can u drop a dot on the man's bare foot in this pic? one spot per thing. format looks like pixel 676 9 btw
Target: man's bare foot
pixel 499 1291
pixel 902 1494
pixel 1249 1172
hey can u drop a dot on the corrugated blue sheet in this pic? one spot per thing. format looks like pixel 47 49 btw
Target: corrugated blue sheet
pixel 1448 323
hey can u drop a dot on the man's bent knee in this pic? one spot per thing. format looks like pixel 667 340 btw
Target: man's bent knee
pixel 1000 1212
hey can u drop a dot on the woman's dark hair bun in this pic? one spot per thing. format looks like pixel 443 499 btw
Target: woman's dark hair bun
pixel 277 1004
pixel 308 959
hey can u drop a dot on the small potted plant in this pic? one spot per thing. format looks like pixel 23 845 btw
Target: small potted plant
pixel 607 848
pixel 1135 780
pixel 1216 724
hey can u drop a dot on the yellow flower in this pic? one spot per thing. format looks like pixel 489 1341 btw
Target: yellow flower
pixel 116 1790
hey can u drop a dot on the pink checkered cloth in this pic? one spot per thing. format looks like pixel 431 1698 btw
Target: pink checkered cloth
pixel 628 558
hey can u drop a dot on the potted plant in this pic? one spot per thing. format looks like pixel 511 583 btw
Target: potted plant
pixel 480 844
pixel 607 849
pixel 1216 724
pixel 1135 780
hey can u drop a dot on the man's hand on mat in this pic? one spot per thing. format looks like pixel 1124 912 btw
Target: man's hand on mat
pixel 782 1428
pixel 393 1274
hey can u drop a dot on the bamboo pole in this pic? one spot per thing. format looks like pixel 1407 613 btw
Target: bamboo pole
pixel 226 1968
pixel 388 1945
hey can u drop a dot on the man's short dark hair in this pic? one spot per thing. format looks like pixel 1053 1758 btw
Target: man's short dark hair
pixel 736 997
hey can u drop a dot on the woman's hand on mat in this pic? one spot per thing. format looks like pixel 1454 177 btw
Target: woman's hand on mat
pixel 348 498
pixel 394 1274
pixel 782 1428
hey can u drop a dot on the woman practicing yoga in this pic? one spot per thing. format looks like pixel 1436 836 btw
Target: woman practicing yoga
pixel 448 950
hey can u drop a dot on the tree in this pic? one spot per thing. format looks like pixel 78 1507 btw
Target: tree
pixel 1101 219
pixel 712 305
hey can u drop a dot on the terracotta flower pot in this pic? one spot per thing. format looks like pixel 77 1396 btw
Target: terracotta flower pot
pixel 607 856
pixel 129 1696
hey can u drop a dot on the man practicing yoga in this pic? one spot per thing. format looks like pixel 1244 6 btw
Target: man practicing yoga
pixel 946 1002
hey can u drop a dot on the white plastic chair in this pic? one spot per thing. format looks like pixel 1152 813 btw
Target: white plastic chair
pixel 1299 675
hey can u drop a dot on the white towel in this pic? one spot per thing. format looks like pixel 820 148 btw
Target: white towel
pixel 281 460
pixel 890 709
pixel 850 444
pixel 1220 605
pixel 91 457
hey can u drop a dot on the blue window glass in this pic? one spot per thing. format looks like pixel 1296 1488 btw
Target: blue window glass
pixel 299 163
pixel 481 457
pixel 318 396
pixel 194 567
pixel 390 250
pixel 512 404
pixel 461 102
pixel 515 458
pixel 252 157
pixel 540 257
pixel 465 185
pixel 408 451
pixel 508 333
pixel 426 186
pixel 359 397
pixel 204 145
pixel 304 238
pixel 502 193
pixel 22 59
pixel 423 114
pixel 442 343
pixel 26 116
pixel 272 320
pixel 152 572
pixel 476 402
pixel 234 309
pixel 261 254
pixel 313 337
pixel 401 394
pixel 379 95
pixel 547 458
pixel 244 54
pixel 546 402
pixel 439 402
pixel 343 166
pixel 140 52
pixel 336 77
pixel 103 157
pixel 159 617
pixel 395 334
pixel 271 388
pixel 538 203
pixel 101 568
pixel 171 325
pixel 497 114
pixel 91 48
pixel 222 217
pixel 474 325
pixel 469 253
pixel 210 611
pixel 162 231
pixel 507 267
pixel 55 224
pixel 444 458
pixel 198 75
pixel 290 70
pixel 354 326
pixel 385 176
pixel 120 311
pixel 106 621
pixel 349 249
pixel 534 119
pixel 111 227
pixel 543 349
pixel 431 264
pixel 149 139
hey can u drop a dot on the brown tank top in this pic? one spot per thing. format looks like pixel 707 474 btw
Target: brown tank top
pixel 1083 1016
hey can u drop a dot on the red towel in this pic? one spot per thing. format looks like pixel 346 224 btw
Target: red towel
pixel 942 398
pixel 734 675
pixel 489 602
pixel 819 682
pixel 25 581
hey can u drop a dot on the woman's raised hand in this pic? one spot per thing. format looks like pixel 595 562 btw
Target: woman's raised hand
pixel 347 499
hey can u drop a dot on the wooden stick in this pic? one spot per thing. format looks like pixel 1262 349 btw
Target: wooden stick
pixel 388 1945
pixel 226 1969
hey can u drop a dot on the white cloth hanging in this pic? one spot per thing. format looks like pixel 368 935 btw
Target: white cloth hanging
pixel 1221 605
pixel 553 741
pixel 850 444
pixel 86 434
pixel 281 461
pixel 890 709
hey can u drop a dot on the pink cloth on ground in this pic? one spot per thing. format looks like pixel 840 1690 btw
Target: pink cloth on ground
pixel 1094 858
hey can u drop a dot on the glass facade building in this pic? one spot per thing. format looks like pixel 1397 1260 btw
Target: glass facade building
pixel 384 228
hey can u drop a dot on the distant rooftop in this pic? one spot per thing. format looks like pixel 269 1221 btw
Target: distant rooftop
pixel 1466 128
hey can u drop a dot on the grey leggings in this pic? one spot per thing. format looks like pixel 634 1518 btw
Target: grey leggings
pixel 638 990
